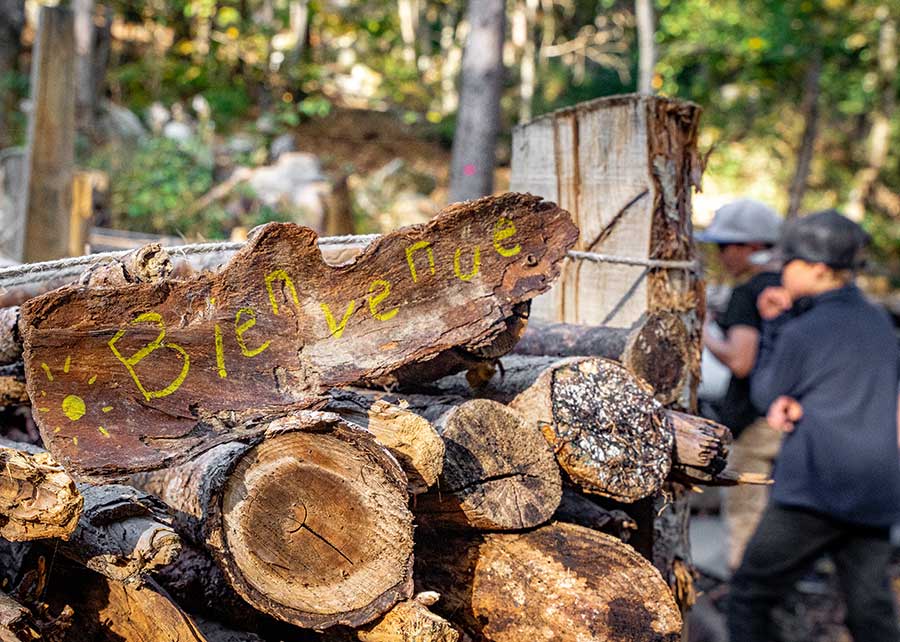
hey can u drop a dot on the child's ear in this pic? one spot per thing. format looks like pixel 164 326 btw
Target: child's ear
pixel 821 271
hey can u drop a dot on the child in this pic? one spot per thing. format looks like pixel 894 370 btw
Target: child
pixel 828 374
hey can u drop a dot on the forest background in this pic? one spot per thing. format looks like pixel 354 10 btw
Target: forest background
pixel 799 99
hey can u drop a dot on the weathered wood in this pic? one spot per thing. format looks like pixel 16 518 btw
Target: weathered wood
pixel 147 264
pixel 123 533
pixel 576 508
pixel 560 582
pixel 16 622
pixel 10 341
pixel 110 611
pixel 13 391
pixel 408 436
pixel 410 621
pixel 656 348
pixel 275 326
pixel 498 471
pixel 310 525
pixel 38 499
pixel 608 433
pixel 51 137
pixel 701 445
pixel 625 167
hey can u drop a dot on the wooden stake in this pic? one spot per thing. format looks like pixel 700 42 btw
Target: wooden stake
pixel 51 137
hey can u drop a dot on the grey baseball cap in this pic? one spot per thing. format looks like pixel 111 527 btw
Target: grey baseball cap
pixel 823 237
pixel 743 221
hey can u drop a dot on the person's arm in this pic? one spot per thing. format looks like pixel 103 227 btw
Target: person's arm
pixel 779 360
pixel 737 350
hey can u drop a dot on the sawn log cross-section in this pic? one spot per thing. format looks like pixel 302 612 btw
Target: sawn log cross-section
pixel 143 376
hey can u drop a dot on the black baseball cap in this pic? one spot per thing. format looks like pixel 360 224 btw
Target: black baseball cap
pixel 823 237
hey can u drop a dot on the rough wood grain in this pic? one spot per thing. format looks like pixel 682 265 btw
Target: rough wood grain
pixel 310 524
pixel 410 621
pixel 123 533
pixel 13 390
pixel 498 471
pixel 409 437
pixel 576 508
pixel 38 499
pixel 701 446
pixel 608 433
pixel 10 341
pixel 149 364
pixel 16 622
pixel 656 348
pixel 560 582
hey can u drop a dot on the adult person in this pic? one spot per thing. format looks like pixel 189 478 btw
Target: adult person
pixel 743 231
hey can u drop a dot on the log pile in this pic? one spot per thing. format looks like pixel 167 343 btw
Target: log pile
pixel 287 449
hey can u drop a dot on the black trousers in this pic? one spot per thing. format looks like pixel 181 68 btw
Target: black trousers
pixel 785 544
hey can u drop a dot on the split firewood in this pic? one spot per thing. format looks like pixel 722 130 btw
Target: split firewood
pixel 701 445
pixel 498 471
pixel 559 582
pixel 410 621
pixel 143 368
pixel 608 433
pixel 410 438
pixel 656 348
pixel 575 508
pixel 309 522
pixel 38 499
pixel 123 533
pixel 16 622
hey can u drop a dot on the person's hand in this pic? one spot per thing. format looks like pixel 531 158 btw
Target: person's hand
pixel 773 301
pixel 784 413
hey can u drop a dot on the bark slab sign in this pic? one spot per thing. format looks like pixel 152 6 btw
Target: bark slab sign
pixel 138 376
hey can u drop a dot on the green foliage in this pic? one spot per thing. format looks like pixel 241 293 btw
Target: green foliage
pixel 151 188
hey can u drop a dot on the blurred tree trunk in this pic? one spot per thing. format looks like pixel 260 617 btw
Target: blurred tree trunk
pixel 880 133
pixel 409 27
pixel 450 39
pixel 809 108
pixel 643 11
pixel 299 24
pixel 478 118
pixel 524 39
pixel 85 99
pixel 12 20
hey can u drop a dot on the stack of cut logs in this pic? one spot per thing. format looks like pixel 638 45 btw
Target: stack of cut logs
pixel 349 485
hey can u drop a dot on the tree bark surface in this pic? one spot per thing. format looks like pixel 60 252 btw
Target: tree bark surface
pixel 143 368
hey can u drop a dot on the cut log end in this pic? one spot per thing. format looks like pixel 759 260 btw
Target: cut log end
pixel 608 433
pixel 499 474
pixel 316 528
pixel 559 582
pixel 658 354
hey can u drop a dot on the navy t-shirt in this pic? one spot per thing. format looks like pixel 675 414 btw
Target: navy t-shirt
pixel 839 359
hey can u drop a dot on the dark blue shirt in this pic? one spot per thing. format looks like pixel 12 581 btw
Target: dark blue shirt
pixel 839 359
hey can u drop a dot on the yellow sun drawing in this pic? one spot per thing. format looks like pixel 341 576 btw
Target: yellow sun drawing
pixel 72 406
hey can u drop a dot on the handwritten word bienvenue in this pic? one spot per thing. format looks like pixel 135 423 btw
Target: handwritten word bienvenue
pixel 245 318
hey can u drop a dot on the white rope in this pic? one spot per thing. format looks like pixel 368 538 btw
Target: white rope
pixel 62 269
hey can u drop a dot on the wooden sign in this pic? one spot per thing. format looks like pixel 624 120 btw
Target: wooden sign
pixel 142 376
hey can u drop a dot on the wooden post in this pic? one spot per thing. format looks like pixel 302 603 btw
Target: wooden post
pixel 624 167
pixel 51 137
pixel 82 211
